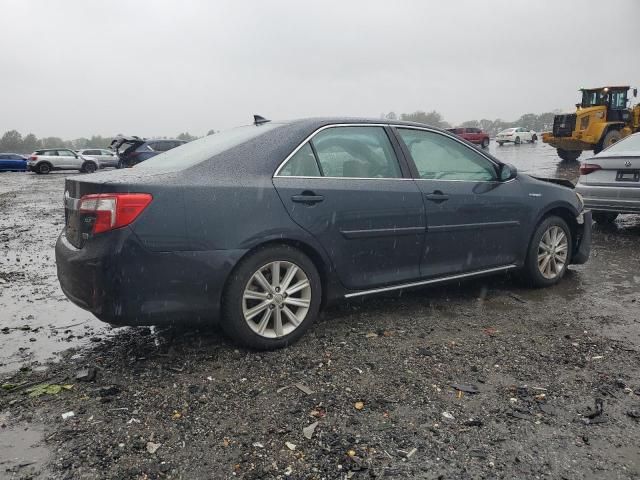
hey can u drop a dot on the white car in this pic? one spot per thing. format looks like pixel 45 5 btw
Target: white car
pixel 46 160
pixel 516 135
pixel 106 158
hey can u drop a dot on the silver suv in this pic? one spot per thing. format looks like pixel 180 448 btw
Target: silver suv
pixel 106 158
pixel 48 159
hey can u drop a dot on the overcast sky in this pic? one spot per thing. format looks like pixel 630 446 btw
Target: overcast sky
pixel 75 68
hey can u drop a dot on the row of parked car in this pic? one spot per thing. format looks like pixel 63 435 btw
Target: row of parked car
pixel 516 135
pixel 124 152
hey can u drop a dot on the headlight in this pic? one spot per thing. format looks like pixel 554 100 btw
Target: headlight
pixel 580 200
pixel 584 122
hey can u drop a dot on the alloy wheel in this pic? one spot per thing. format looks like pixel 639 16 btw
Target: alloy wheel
pixel 552 252
pixel 276 299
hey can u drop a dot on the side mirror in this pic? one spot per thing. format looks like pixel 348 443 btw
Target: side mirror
pixel 508 172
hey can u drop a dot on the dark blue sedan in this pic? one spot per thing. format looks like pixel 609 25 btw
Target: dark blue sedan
pixel 260 226
pixel 13 162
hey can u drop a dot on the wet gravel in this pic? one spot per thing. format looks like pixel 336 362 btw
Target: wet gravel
pixel 481 380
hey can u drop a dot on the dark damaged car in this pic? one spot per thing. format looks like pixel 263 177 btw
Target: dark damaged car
pixel 260 226
pixel 133 150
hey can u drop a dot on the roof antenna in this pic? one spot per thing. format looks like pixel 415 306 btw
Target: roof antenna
pixel 258 120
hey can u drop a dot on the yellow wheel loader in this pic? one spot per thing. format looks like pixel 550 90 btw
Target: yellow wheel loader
pixel 602 118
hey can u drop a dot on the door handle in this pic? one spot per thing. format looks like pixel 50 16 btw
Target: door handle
pixel 307 198
pixel 437 196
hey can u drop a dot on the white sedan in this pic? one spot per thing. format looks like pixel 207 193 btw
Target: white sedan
pixel 516 135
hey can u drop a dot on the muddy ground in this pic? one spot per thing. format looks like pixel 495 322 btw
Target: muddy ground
pixel 481 380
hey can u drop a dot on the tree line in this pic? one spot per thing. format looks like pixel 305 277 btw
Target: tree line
pixel 13 142
pixel 538 122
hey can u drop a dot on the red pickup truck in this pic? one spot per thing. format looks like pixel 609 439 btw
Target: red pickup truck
pixel 473 135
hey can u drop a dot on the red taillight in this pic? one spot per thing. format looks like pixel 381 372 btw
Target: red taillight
pixel 114 210
pixel 587 168
pixel 33 157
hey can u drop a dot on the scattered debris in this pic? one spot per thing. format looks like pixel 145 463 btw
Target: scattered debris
pixel 359 405
pixel 303 388
pixel 594 416
pixel 465 388
pixel 308 431
pixel 86 375
pixel 290 446
pixel 68 415
pixel 448 416
pixel 47 389
pixel 153 447
pixel 634 413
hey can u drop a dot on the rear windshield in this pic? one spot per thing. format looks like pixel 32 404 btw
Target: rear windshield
pixel 202 149
pixel 626 145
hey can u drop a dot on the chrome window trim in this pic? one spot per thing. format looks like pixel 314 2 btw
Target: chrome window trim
pixel 336 125
pixel 429 282
pixel 392 125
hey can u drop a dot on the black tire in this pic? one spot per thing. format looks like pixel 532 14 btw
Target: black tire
pixel 233 319
pixel 485 143
pixel 604 218
pixel 89 167
pixel 531 271
pixel 500 144
pixel 534 138
pixel 569 155
pixel 44 168
pixel 609 139
pixel 517 141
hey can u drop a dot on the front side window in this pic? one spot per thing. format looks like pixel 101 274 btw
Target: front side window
pixel 438 157
pixel 65 153
pixel 356 152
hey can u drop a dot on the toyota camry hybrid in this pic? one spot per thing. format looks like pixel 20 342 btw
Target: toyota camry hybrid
pixel 260 226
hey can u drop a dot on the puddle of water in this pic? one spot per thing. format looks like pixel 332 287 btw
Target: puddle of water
pixel 22 454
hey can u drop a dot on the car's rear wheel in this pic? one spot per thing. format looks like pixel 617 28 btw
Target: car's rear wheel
pixel 272 297
pixel 605 217
pixel 485 142
pixel 549 252
pixel 43 168
pixel 89 167
pixel 534 138
pixel 517 141
pixel 500 143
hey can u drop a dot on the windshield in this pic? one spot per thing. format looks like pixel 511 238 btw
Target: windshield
pixel 202 149
pixel 630 144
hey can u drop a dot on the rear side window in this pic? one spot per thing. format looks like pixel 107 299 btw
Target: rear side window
pixel 356 152
pixel 302 164
pixel 438 157
pixel 204 148
pixel 47 153
pixel 65 153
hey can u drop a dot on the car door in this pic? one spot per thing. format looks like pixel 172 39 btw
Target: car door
pixel 108 158
pixel 347 188
pixel 68 159
pixel 474 221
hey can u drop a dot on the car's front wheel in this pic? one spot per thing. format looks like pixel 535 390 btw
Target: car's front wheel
pixel 534 138
pixel 89 167
pixel 272 297
pixel 549 252
pixel 485 142
pixel 500 143
pixel 517 141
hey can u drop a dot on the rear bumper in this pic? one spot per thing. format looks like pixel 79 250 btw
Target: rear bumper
pixel 582 245
pixel 610 199
pixel 122 283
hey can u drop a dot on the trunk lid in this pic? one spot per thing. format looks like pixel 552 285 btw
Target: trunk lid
pixel 618 171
